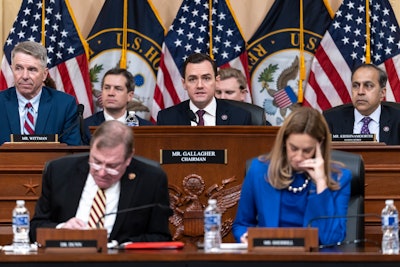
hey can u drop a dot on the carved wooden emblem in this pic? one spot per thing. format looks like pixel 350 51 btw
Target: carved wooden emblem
pixel 188 205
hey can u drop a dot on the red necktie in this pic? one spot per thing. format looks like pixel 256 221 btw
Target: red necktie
pixel 96 217
pixel 200 113
pixel 29 124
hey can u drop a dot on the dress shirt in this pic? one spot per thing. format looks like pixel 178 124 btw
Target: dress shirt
pixel 108 117
pixel 88 194
pixel 209 115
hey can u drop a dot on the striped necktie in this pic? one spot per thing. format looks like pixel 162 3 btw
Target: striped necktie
pixel 29 124
pixel 96 217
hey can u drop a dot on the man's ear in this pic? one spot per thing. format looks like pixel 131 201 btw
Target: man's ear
pixel 183 83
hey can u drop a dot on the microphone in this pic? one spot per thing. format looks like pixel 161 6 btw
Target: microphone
pixel 355 241
pixel 79 115
pixel 192 116
pixel 147 206
pixel 81 108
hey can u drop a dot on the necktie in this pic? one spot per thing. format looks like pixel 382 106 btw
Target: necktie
pixel 29 124
pixel 364 128
pixel 96 217
pixel 200 113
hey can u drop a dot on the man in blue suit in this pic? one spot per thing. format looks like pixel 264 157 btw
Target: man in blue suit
pixel 117 89
pixel 52 111
pixel 199 79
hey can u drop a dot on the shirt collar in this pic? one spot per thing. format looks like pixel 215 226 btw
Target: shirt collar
pixel 211 108
pixel 375 116
pixel 22 101
pixel 108 117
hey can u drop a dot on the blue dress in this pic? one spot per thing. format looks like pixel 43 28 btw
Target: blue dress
pixel 262 205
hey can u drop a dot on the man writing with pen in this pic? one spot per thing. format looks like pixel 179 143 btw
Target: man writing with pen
pixel 84 191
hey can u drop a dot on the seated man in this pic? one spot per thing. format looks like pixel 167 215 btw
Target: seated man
pixel 367 92
pixel 70 185
pixel 117 88
pixel 232 85
pixel 30 107
pixel 199 78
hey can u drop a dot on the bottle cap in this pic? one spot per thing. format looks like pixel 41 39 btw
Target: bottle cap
pixel 20 202
pixel 389 202
pixel 212 201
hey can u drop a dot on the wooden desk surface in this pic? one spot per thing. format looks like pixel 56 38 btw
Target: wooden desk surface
pixel 190 256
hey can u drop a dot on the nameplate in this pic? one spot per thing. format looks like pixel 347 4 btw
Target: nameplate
pixel 215 156
pixel 353 137
pixel 72 240
pixel 71 243
pixel 34 138
pixel 282 239
pixel 278 242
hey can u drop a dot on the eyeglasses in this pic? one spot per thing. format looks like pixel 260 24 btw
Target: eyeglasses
pixel 98 167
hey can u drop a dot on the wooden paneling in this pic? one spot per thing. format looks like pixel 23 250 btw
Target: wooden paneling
pixel 21 168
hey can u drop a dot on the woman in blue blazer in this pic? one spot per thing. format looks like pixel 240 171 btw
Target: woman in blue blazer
pixel 296 182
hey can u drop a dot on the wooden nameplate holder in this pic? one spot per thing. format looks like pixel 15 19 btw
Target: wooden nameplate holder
pixel 282 239
pixel 68 240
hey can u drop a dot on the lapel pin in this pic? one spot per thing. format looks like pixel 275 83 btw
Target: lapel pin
pixel 131 176
pixel 386 128
pixel 224 117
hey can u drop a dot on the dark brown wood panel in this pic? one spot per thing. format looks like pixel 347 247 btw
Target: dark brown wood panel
pixel 21 168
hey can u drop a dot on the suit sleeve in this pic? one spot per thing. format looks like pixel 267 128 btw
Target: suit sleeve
pixel 158 224
pixel 326 204
pixel 71 131
pixel 42 216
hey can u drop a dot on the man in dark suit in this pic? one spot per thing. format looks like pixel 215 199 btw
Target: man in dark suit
pixel 53 112
pixel 117 89
pixel 70 184
pixel 199 78
pixel 368 91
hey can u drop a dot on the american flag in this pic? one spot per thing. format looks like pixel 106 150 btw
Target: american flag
pixel 190 33
pixel 343 47
pixel 67 61
pixel 285 97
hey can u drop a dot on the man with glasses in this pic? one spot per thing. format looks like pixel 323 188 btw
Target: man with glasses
pixel 71 184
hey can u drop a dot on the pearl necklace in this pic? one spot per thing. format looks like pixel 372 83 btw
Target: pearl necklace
pixel 300 188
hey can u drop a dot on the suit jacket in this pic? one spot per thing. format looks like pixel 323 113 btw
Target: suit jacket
pixel 57 115
pixel 227 114
pixel 65 178
pixel 340 120
pixel 98 118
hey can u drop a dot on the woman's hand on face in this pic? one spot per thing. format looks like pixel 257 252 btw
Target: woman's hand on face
pixel 315 169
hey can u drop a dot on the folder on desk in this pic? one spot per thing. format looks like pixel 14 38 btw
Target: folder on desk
pixel 153 245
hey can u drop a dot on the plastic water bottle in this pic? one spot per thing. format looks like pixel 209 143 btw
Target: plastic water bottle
pixel 20 225
pixel 131 119
pixel 212 227
pixel 390 228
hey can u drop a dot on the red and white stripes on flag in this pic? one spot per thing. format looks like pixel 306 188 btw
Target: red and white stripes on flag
pixel 191 33
pixel 343 48
pixel 67 60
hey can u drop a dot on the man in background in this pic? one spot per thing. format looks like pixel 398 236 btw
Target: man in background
pixel 367 114
pixel 117 89
pixel 31 108
pixel 199 77
pixel 231 85
pixel 71 185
